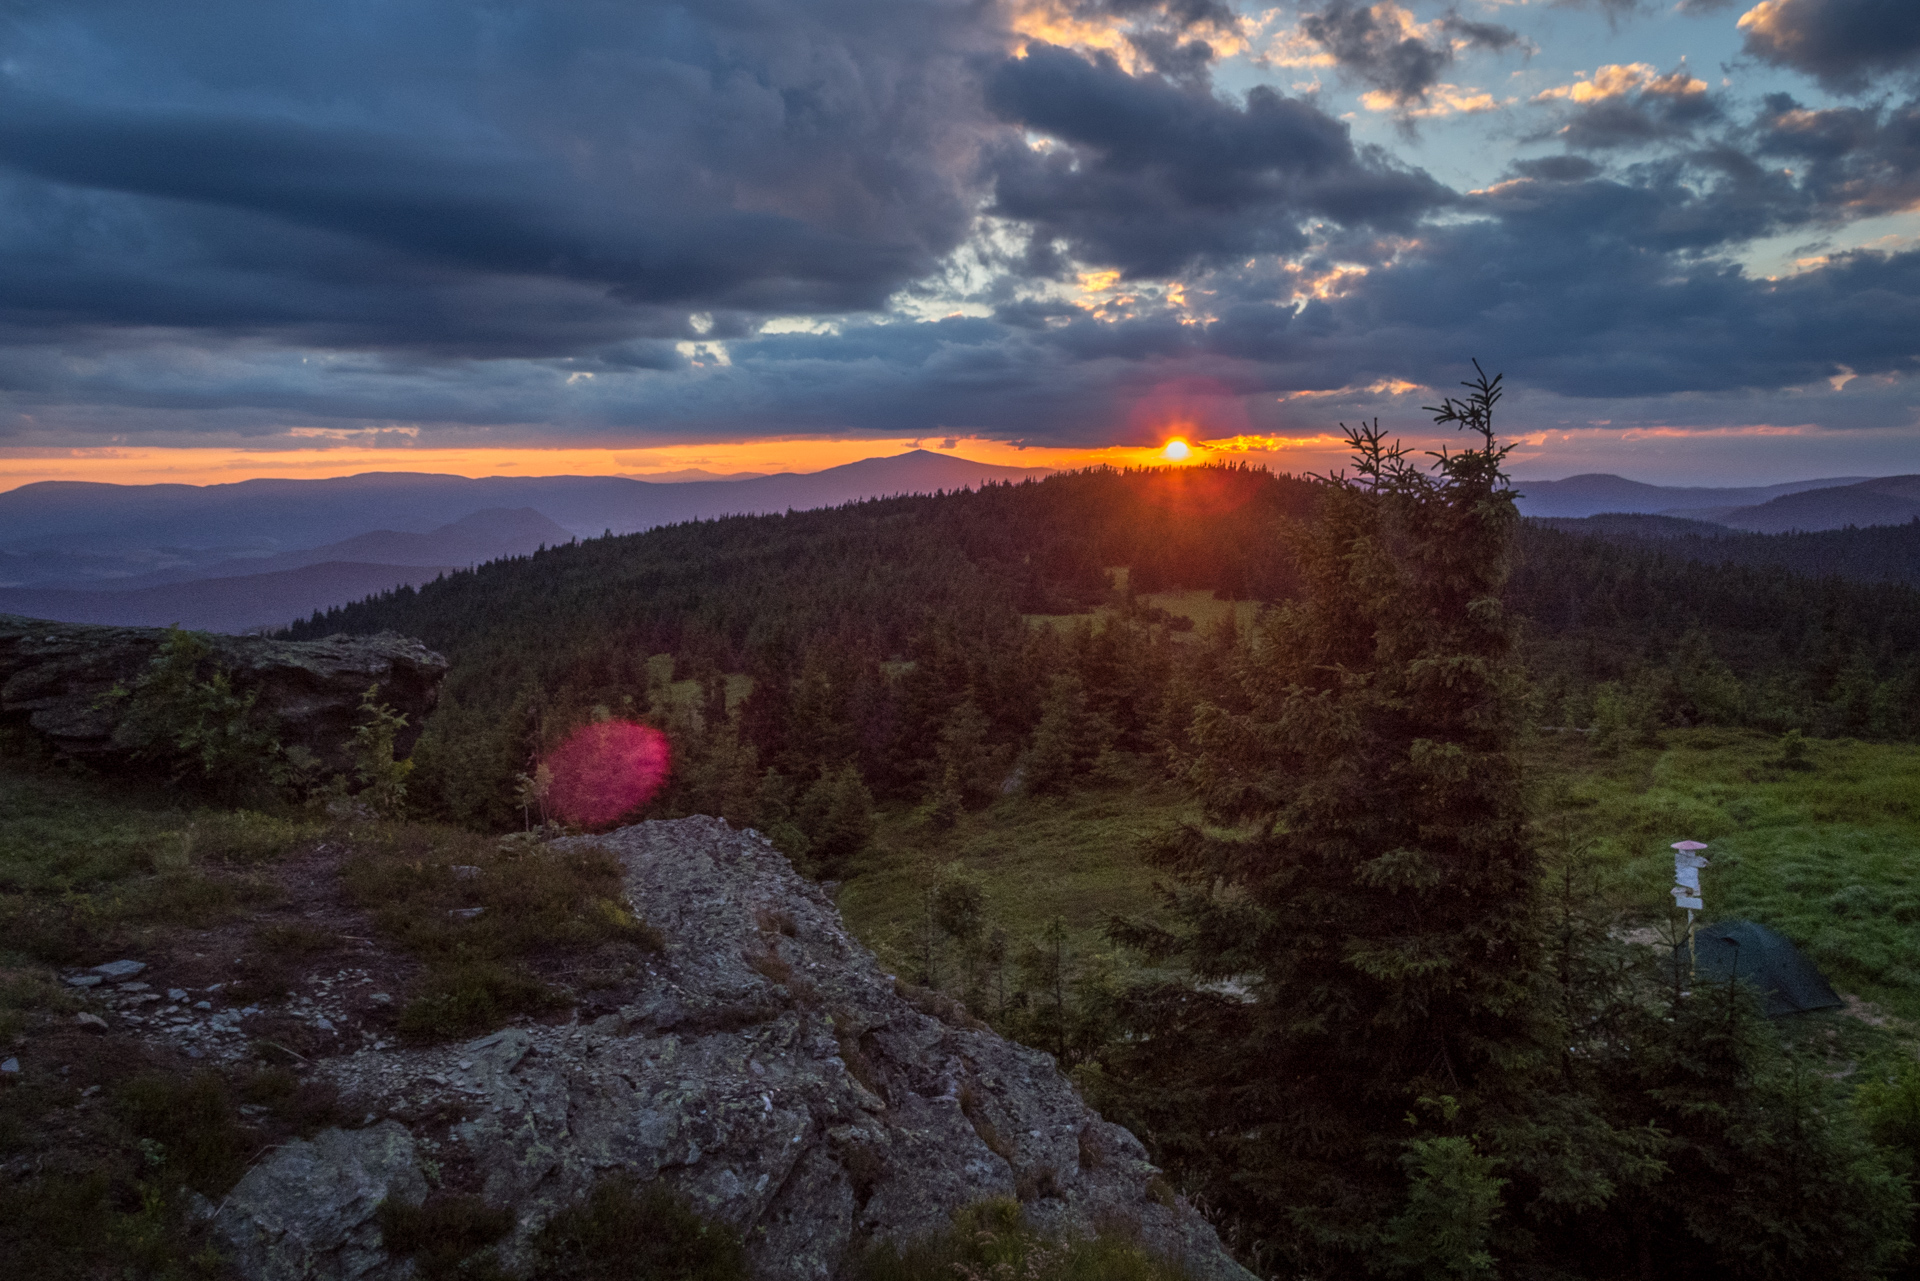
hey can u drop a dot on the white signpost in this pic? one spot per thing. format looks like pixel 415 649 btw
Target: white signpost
pixel 1687 862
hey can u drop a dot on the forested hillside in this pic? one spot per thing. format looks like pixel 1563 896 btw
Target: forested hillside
pixel 1865 554
pixel 899 636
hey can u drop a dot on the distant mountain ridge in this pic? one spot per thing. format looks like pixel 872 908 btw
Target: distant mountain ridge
pixel 1805 506
pixel 485 535
pixel 289 515
pixel 1599 493
pixel 237 603
pixel 264 552
pixel 1886 500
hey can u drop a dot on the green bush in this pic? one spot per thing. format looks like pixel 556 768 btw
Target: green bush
pixel 477 912
pixel 466 998
pixel 624 1231
pixel 185 715
pixel 444 1232
pixel 186 1127
pixel 989 1240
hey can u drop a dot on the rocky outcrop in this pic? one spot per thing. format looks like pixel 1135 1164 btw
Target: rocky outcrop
pixel 54 678
pixel 764 1066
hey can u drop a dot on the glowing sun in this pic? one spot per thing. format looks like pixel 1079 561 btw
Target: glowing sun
pixel 1176 450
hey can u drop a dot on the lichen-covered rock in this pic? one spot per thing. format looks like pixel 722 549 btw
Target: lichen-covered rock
pixel 308 1214
pixel 769 1071
pixel 55 678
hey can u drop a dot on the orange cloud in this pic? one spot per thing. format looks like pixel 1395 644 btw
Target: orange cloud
pixel 1057 24
pixel 1619 79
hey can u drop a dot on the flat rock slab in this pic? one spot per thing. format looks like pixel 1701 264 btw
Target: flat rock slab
pixel 54 676
pixel 765 1067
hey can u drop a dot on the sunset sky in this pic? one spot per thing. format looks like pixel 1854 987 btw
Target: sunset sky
pixel 307 239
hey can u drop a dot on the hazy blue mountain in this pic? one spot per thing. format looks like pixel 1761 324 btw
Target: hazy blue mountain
pixel 1597 493
pixel 485 535
pixel 232 604
pixel 79 532
pixel 1888 500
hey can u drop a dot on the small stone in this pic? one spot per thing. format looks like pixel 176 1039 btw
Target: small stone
pixel 10 1065
pixel 120 969
pixel 381 998
pixel 465 913
pixel 465 1064
pixel 176 994
pixel 465 871
pixel 324 1023
pixel 92 1022
pixel 86 980
pixel 135 986
pixel 203 1005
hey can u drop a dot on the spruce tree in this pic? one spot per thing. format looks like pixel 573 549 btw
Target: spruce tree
pixel 1361 902
pixel 1067 739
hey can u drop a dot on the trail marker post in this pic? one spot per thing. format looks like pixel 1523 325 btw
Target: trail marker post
pixel 1687 862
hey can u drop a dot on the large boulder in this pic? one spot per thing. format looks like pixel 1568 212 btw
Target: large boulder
pixel 764 1066
pixel 55 677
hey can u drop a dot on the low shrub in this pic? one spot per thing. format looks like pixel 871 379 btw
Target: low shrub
pixel 464 998
pixel 626 1231
pixel 483 915
pixel 990 1241
pixel 187 1127
pixel 443 1233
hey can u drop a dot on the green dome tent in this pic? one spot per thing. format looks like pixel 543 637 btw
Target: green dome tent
pixel 1787 981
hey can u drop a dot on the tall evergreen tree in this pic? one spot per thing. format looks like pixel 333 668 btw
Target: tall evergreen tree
pixel 1367 880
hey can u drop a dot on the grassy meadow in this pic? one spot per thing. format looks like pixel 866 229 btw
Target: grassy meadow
pixel 1826 851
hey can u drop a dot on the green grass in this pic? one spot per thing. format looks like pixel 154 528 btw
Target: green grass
pixel 89 864
pixel 1206 610
pixel 1829 855
pixel 68 833
pixel 1075 856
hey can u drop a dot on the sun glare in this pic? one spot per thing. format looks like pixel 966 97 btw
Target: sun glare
pixel 1176 450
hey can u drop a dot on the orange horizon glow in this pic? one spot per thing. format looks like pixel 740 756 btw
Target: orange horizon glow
pixel 1318 452
pixel 205 465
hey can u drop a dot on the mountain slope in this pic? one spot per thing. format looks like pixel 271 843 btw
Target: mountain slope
pixel 233 604
pixel 1867 554
pixel 1596 493
pixel 486 535
pixel 1888 500
pixel 289 515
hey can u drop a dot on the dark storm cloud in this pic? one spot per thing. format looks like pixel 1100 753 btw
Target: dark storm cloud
pixel 1153 178
pixel 1841 43
pixel 1860 160
pixel 1370 44
pixel 1178 13
pixel 232 218
pixel 433 168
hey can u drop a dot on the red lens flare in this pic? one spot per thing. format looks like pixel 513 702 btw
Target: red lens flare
pixel 605 769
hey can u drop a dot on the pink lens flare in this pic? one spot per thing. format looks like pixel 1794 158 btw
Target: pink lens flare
pixel 605 769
